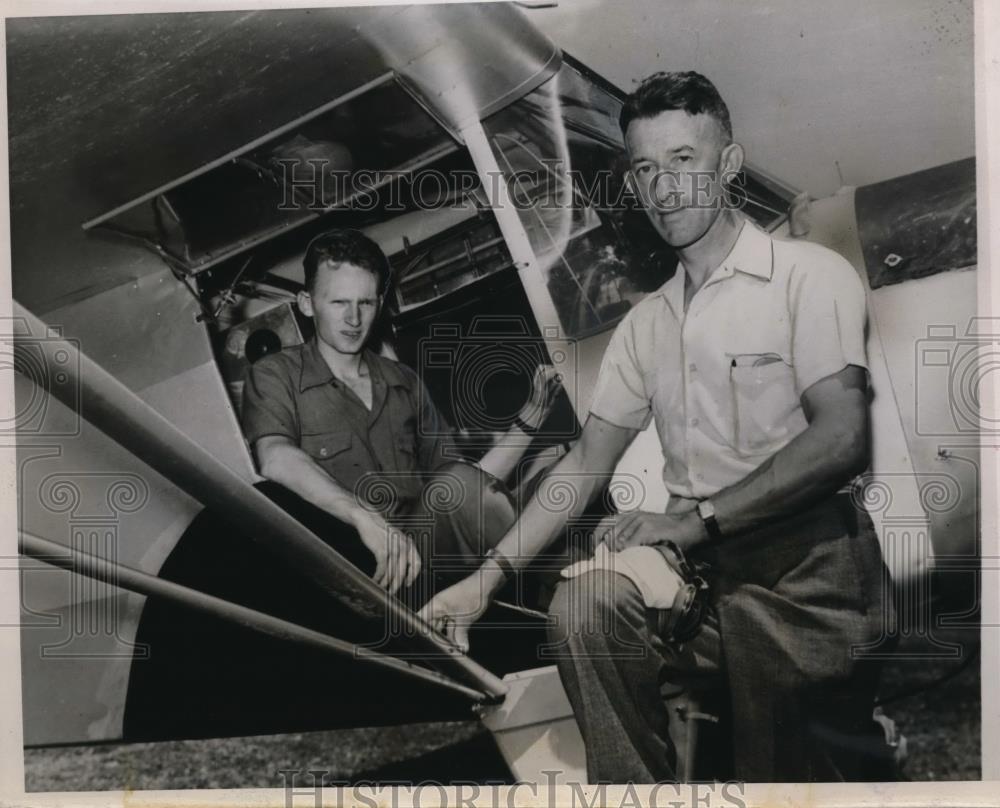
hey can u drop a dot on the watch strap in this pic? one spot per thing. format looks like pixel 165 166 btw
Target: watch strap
pixel 498 558
pixel 707 514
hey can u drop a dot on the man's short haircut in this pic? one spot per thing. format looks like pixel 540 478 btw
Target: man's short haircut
pixel 686 90
pixel 345 246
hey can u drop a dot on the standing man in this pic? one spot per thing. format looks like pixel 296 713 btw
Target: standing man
pixel 751 359
pixel 353 433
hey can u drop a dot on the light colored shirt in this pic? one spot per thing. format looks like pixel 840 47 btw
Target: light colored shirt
pixel 724 379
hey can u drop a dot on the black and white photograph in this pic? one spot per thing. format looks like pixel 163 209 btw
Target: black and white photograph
pixel 508 402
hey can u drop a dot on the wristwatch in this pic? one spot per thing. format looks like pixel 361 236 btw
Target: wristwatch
pixel 706 510
pixel 498 558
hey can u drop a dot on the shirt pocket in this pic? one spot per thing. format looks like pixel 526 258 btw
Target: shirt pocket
pixel 762 386
pixel 325 446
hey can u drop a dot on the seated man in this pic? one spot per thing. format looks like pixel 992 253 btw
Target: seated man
pixel 352 432
pixel 751 359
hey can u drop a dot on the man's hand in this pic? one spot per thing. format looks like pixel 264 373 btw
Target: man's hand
pixel 396 558
pixel 588 467
pixel 636 528
pixel 397 561
pixel 453 611
pixel 657 581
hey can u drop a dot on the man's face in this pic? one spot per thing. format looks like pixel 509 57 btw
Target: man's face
pixel 676 160
pixel 343 304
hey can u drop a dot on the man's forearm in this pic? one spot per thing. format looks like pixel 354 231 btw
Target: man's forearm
pixel 296 471
pixel 546 514
pixel 812 466
pixel 504 455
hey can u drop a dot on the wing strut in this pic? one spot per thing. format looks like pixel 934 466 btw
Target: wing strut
pixel 114 409
pixel 134 580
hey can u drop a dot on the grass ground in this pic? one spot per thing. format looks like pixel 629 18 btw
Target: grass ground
pixel 942 727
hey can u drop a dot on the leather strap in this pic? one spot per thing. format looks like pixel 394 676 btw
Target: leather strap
pixel 502 562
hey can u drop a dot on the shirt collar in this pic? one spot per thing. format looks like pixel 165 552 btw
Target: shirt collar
pixel 673 290
pixel 315 371
pixel 751 254
pixel 390 371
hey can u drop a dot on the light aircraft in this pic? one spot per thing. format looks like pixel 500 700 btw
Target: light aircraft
pixel 160 203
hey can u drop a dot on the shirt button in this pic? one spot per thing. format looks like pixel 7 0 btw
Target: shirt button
pixel 695 422
pixel 323 452
pixel 692 367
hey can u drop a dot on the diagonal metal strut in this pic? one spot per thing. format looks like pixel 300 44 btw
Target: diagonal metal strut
pixel 134 580
pixel 127 419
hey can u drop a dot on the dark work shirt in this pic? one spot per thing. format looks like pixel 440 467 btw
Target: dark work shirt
pixel 382 455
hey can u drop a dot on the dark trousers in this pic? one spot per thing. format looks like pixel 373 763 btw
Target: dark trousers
pixel 613 663
pixel 204 676
pixel 462 513
pixel 793 603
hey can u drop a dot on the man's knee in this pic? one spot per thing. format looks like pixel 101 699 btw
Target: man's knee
pixel 593 604
pixel 469 510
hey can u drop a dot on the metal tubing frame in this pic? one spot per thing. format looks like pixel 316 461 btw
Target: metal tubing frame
pixel 530 273
pixel 143 583
pixel 118 412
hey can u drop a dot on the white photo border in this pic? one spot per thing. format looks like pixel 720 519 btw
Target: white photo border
pixel 984 793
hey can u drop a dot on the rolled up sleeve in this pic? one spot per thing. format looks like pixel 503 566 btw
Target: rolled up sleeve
pixel 620 396
pixel 268 403
pixel 829 315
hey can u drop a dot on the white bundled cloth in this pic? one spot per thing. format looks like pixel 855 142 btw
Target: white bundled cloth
pixel 645 566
